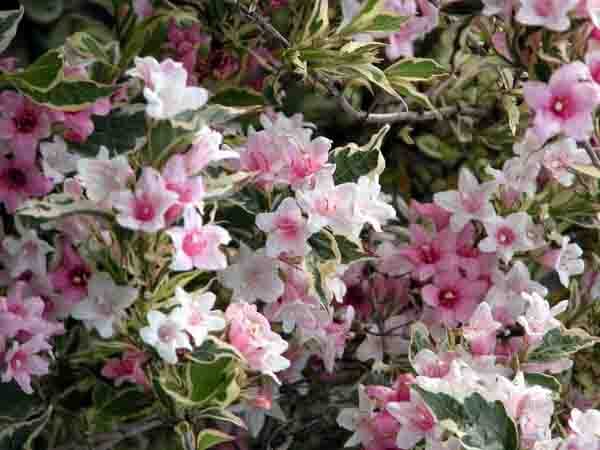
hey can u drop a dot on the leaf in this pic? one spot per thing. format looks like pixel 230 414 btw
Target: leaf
pixel 213 349
pixel 213 382
pixel 9 23
pixel 16 404
pixel 70 95
pixel 443 406
pixel 546 381
pixel 373 17
pixel 212 115
pixel 42 75
pixel 164 137
pixel 509 103
pixel 419 340
pixel 317 23
pixel 559 343
pixel 353 161
pixel 324 245
pixel 488 425
pixel 124 404
pixel 55 206
pixel 210 437
pixel 589 170
pixel 20 435
pixel 236 96
pixel 349 251
pixel 414 69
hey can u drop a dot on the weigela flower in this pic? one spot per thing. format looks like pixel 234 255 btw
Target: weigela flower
pixel 20 180
pixel 57 161
pixel 189 189
pixel 592 59
pixel 518 176
pixel 480 332
pixel 264 153
pixel 551 14
pixel 128 368
pixel 206 149
pixel 422 18
pixel 79 124
pixel 104 305
pixel 166 333
pixel 565 104
pixel 197 245
pixel 286 228
pixel 566 261
pixel 22 360
pixel 416 419
pixel 102 176
pixel 23 124
pixel 305 159
pixel 470 202
pixel 145 208
pixel 166 90
pixel 195 312
pixel 369 207
pixel 250 333
pixel 429 364
pixel 560 156
pixel 70 277
pixel 26 254
pixel 255 276
pixel 507 235
pixel 539 318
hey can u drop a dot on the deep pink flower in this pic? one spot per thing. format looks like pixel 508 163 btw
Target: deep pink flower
pixel 71 275
pixel 452 297
pixel 20 179
pixel 436 214
pixel 127 368
pixel 23 124
pixel 565 104
pixel 79 124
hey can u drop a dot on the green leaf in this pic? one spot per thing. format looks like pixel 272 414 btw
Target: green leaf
pixel 414 69
pixel 16 404
pixel 559 343
pixel 210 437
pixel 213 382
pixel 546 381
pixel 353 161
pixel 213 349
pixel 324 245
pixel 349 251
pixel 443 406
pixel 45 73
pixel 317 23
pixel 124 404
pixel 70 95
pixel 236 96
pixel 373 17
pixel 20 435
pixel 488 425
pixel 163 138
pixel 9 23
pixel 589 170
pixel 419 340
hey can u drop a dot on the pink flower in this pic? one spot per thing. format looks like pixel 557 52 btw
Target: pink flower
pixel 143 8
pixel 429 364
pixel 565 104
pixel 205 149
pixel 27 253
pixel 23 124
pixel 566 261
pixel 197 245
pixel 417 421
pixel 189 189
pixel 306 159
pixel 540 317
pixel 71 275
pixel 286 229
pixel 102 177
pixel 480 332
pixel 493 7
pixel 507 235
pixel 592 59
pixel 127 368
pixel 78 124
pixel 453 298
pixel 22 361
pixel 470 202
pixel 551 14
pixel 423 17
pixel 437 215
pixel 20 179
pixel 264 153
pixel 166 334
pixel 251 334
pixel 145 208
pixel 560 156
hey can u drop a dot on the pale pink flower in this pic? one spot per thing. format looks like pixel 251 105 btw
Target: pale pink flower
pixel 566 260
pixel 286 228
pixel 206 149
pixel 128 368
pixel 145 208
pixel 481 330
pixel 551 14
pixel 539 317
pixel 57 161
pixel 166 90
pixel 518 176
pixel 195 312
pixel 498 7
pixel 264 153
pixel 585 426
pixel 358 420
pixel 27 253
pixel 20 180
pixel 429 364
pixel 417 421
pixel 592 59
pixel 453 299
pixel 143 9
pixel 189 189
pixel 565 104
pixel 23 360
pixel 560 156
pixel 507 235
pixel 104 305
pixel 250 333
pixel 70 277
pixel 79 124
pixel 306 158
pixel 197 245
pixel 166 334
pixel 423 18
pixel 23 124
pixel 102 176
pixel 470 202
pixel 254 276
pixel 369 205
pixel 436 214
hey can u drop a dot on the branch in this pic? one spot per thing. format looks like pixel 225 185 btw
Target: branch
pixel 591 151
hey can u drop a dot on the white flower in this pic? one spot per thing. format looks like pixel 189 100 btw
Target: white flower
pixel 57 161
pixel 104 305
pixel 566 261
pixel 286 229
pixel 206 149
pixel 560 156
pixel 255 276
pixel 27 253
pixel 102 176
pixel 539 317
pixel 166 334
pixel 369 206
pixel 166 89
pixel 196 315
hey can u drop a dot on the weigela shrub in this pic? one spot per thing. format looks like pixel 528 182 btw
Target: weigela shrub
pixel 189 262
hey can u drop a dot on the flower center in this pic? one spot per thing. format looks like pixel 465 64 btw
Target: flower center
pixel 561 106
pixel 25 122
pixel 505 236
pixel 194 243
pixel 144 211
pixel 79 276
pixel 15 178
pixel 448 298
pixel 167 333
pixel 195 318
pixel 423 420
pixel 18 360
pixel 288 227
pixel 428 254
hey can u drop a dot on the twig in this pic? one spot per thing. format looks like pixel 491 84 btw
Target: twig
pixel 591 153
